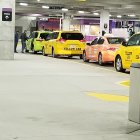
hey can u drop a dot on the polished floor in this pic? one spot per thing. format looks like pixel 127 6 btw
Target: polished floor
pixel 42 98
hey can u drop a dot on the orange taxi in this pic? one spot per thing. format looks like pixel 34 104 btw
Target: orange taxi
pixel 102 49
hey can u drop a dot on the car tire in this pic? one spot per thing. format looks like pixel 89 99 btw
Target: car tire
pixel 100 61
pixel 70 56
pixel 53 53
pixel 118 64
pixel 35 52
pixel 27 51
pixel 81 56
pixel 43 52
pixel 84 57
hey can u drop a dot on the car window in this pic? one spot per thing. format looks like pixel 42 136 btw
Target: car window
pixel 50 36
pixel 72 36
pixel 36 35
pixel 134 40
pixel 32 35
pixel 94 42
pixel 44 35
pixel 100 41
pixel 55 35
pixel 115 40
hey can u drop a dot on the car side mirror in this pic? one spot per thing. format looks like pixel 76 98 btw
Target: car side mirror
pixel 124 43
pixel 88 44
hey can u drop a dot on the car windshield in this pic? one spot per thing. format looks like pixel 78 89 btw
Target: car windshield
pixel 44 35
pixel 115 40
pixel 72 36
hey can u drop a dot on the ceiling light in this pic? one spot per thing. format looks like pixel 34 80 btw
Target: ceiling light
pixel 131 15
pixel 38 0
pixel 119 16
pixel 23 4
pixel 110 15
pixel 81 12
pixel 82 0
pixel 36 15
pixel 45 7
pixel 96 14
pixel 64 9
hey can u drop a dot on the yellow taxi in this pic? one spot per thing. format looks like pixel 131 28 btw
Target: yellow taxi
pixel 128 53
pixel 65 43
pixel 36 41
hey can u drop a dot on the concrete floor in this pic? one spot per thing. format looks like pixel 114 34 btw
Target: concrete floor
pixel 42 98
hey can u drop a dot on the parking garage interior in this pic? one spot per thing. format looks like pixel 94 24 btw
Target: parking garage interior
pixel 69 69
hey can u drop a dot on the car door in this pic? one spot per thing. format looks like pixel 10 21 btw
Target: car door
pixel 90 49
pixel 98 48
pixel 130 51
pixel 35 40
pixel 48 48
pixel 136 57
pixel 29 41
pixel 55 40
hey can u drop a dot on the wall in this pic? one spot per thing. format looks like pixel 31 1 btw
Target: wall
pixel 25 22
pixel 7 31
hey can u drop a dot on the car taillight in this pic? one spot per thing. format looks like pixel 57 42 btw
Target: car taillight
pixel 111 49
pixel 83 40
pixel 61 40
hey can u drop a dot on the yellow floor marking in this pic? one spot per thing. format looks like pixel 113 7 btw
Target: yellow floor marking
pixel 125 83
pixel 110 97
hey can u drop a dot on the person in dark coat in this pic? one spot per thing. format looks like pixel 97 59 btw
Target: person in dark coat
pixel 23 40
pixel 16 41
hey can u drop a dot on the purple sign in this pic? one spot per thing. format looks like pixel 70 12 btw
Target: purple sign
pixel 6 14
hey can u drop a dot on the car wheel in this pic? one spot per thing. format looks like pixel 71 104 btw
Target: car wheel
pixel 26 50
pixel 118 64
pixel 81 56
pixel 35 52
pixel 43 52
pixel 100 60
pixel 70 56
pixel 53 54
pixel 84 57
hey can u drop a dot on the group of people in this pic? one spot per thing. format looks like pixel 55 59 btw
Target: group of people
pixel 23 38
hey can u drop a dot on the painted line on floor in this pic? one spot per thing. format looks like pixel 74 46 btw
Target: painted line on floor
pixel 124 83
pixel 109 97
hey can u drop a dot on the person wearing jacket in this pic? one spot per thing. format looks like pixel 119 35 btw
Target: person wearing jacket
pixel 16 41
pixel 23 40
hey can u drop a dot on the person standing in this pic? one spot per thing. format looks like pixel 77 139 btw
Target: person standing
pixel 16 41
pixel 23 40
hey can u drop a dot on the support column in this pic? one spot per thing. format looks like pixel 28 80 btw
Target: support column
pixel 104 21
pixel 66 22
pixel 7 29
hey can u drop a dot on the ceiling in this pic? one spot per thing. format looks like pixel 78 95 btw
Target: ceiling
pixel 115 7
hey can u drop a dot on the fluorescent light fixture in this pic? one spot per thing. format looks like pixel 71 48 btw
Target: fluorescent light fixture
pixel 64 9
pixel 81 12
pixel 23 4
pixel 82 0
pixel 132 15
pixel 96 14
pixel 36 15
pixel 45 7
pixel 119 16
pixel 110 15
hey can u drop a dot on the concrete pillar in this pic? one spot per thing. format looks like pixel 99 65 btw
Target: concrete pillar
pixel 104 21
pixel 66 22
pixel 7 29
